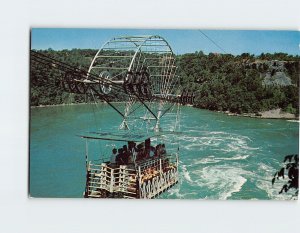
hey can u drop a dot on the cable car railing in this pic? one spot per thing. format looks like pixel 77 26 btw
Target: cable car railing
pixel 147 179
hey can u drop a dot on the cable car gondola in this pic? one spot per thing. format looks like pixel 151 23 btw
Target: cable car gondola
pixel 138 72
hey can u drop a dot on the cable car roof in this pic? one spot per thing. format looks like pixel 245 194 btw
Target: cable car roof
pixel 125 136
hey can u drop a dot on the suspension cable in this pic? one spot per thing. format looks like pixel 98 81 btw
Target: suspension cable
pixel 211 40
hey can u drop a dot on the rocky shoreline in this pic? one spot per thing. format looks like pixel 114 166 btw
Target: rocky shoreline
pixel 54 105
pixel 270 114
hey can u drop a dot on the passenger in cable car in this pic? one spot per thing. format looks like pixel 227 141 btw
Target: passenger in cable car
pixel 125 155
pixel 133 150
pixel 119 158
pixel 131 146
pixel 147 148
pixel 140 151
pixel 152 151
pixel 113 156
pixel 163 149
pixel 157 152
pixel 130 159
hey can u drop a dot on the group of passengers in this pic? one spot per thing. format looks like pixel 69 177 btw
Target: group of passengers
pixel 136 152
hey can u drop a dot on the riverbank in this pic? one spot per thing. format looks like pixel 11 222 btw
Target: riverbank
pixel 54 105
pixel 270 114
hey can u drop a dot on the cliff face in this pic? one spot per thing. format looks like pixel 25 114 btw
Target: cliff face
pixel 274 73
pixel 280 78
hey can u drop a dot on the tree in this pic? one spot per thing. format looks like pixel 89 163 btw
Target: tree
pixel 291 170
pixel 221 82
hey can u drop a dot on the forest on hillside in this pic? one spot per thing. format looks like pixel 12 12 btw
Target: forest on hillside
pixel 222 82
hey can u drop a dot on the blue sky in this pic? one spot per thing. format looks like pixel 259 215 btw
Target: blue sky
pixel 181 41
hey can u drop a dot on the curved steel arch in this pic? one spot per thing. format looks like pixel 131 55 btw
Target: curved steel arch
pixel 147 39
pixel 130 39
pixel 122 55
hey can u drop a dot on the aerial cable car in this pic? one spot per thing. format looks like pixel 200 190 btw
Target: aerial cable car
pixel 144 66
pixel 140 73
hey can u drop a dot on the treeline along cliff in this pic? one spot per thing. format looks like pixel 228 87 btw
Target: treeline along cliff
pixel 222 82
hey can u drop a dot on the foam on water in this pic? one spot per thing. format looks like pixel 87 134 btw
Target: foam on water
pixel 219 175
pixel 236 157
pixel 175 191
pixel 212 159
pixel 218 141
pixel 222 180
pixel 186 174
pixel 264 183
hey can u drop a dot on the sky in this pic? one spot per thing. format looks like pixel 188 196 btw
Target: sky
pixel 182 41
